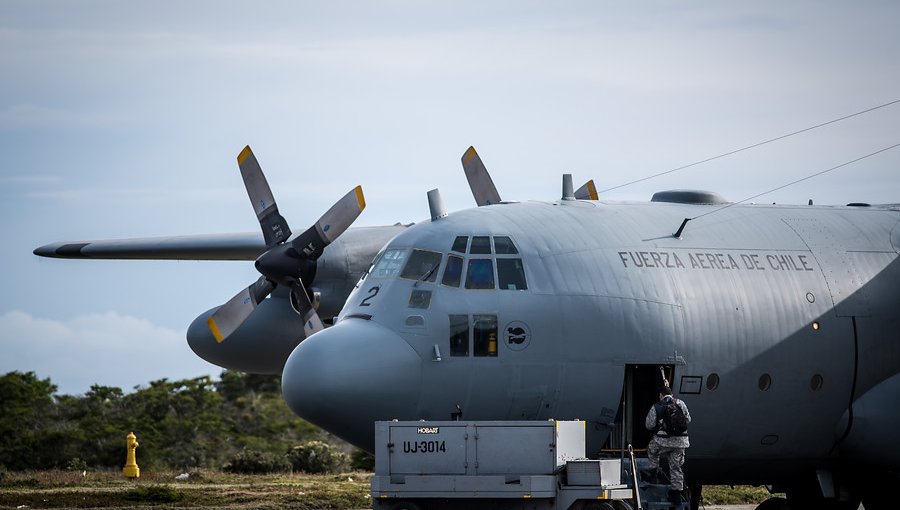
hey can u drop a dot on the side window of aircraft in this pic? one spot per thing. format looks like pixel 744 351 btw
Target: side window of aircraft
pixel 503 245
pixel 481 245
pixel 485 335
pixel 453 271
pixel 388 264
pixel 419 298
pixel 459 335
pixel 480 274
pixel 511 274
pixel 460 244
pixel 422 265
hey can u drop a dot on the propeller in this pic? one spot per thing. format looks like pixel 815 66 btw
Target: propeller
pixel 587 191
pixel 480 181
pixel 287 262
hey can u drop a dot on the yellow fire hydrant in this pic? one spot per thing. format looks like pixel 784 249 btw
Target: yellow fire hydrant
pixel 131 469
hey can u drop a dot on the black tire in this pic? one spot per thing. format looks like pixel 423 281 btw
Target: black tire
pixel 596 505
pixel 774 504
pixel 877 504
pixel 799 502
pixel 621 505
pixel 405 505
pixel 878 490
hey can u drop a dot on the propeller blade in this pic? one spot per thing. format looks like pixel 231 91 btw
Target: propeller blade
pixel 587 191
pixel 480 182
pixel 333 223
pixel 232 314
pixel 304 307
pixel 274 227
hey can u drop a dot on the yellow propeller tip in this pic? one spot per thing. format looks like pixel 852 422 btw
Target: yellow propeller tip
pixel 470 153
pixel 243 155
pixel 592 190
pixel 214 329
pixel 360 198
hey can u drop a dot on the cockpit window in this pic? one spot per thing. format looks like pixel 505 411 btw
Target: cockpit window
pixel 389 264
pixel 480 274
pixel 453 271
pixel 481 245
pixel 511 274
pixel 503 245
pixel 459 335
pixel 460 244
pixel 422 265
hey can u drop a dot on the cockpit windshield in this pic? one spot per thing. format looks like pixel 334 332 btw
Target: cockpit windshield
pixel 422 265
pixel 389 264
pixel 482 263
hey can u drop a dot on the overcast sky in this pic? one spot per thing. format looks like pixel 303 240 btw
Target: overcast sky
pixel 123 119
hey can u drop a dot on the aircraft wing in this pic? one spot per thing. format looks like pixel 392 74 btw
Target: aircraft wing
pixel 237 246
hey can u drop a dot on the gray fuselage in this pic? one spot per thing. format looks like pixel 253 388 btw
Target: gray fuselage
pixel 780 322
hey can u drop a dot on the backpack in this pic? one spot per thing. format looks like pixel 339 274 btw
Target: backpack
pixel 674 421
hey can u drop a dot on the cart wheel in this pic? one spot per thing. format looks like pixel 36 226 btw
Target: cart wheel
pixel 405 505
pixel 596 505
pixel 621 505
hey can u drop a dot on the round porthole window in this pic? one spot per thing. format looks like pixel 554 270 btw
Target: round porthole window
pixel 765 382
pixel 712 381
pixel 816 382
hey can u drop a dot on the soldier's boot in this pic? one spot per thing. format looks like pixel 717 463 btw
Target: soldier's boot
pixel 675 498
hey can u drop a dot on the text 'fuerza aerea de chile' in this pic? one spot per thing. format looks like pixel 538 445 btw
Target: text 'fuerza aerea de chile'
pixel 716 261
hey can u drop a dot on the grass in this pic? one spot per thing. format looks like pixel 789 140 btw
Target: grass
pixel 736 495
pixel 217 489
pixel 203 489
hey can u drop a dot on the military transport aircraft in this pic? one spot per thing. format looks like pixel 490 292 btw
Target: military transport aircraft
pixel 778 325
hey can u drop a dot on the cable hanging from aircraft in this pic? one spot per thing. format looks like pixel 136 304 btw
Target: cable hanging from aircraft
pixel 677 233
pixel 753 146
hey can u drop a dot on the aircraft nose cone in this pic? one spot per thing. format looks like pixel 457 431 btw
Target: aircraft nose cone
pixel 350 375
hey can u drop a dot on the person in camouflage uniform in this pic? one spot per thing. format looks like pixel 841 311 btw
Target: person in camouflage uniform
pixel 667 445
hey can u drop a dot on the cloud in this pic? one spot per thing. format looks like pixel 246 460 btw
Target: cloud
pixel 108 349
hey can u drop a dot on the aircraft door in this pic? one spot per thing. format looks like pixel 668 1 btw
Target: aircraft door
pixel 639 393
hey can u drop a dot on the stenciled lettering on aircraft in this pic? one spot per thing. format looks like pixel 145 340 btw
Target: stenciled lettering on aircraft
pixel 716 261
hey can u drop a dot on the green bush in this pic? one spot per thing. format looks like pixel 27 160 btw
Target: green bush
pixel 76 464
pixel 317 457
pixel 362 460
pixel 256 462
pixel 2 473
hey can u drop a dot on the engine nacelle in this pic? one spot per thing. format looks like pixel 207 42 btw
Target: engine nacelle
pixel 261 345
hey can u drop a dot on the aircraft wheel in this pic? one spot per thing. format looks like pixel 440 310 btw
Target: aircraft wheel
pixel 796 503
pixel 774 504
pixel 879 493
pixel 876 505
pixel 879 501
